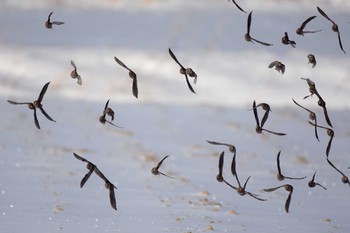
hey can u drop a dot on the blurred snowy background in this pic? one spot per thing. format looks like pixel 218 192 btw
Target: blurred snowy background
pixel 39 185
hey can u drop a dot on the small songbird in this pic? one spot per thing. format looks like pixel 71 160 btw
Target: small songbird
pixel 286 40
pixel 344 178
pixel 48 23
pixel 289 188
pixel 279 66
pixel 312 60
pixel 267 109
pixel 155 170
pixel 108 111
pixel 258 127
pixel 335 27
pixel 313 184
pixel 74 74
pixel 330 133
pixel 36 104
pixel 312 87
pixel 237 6
pixel 281 177
pixel 247 36
pixel 185 71
pixel 93 168
pixel 219 176
pixel 230 147
pixel 132 75
pixel 300 31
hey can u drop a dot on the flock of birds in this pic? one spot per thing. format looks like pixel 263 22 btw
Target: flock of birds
pixel 259 128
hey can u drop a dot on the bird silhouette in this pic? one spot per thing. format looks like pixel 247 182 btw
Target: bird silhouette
pixel 155 170
pixel 281 177
pixel 132 75
pixel 289 188
pixel 300 31
pixel 48 23
pixel 313 184
pixel 74 74
pixel 247 36
pixel 330 133
pixel 279 66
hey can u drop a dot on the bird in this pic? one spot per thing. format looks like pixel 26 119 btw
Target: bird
pixel 312 60
pixel 247 36
pixel 184 71
pixel 300 31
pixel 36 104
pixel 74 74
pixel 155 170
pixel 132 75
pixel 312 87
pixel 108 111
pixel 230 147
pixel 267 109
pixel 279 66
pixel 344 178
pixel 286 40
pixel 219 176
pixel 258 127
pixel 238 6
pixel 108 185
pixel 313 184
pixel 241 189
pixel 335 27
pixel 330 133
pixel 48 23
pixel 312 116
pixel 281 177
pixel 289 188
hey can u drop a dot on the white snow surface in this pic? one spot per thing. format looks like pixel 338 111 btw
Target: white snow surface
pixel 39 185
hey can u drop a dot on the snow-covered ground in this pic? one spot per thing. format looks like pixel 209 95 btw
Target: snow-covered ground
pixel 39 185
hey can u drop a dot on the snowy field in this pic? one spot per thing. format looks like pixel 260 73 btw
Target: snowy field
pixel 39 185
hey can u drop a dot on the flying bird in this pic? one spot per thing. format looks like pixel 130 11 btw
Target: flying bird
pixel 258 127
pixel 287 41
pixel 48 23
pixel 108 185
pixel 247 36
pixel 279 66
pixel 155 170
pixel 238 6
pixel 36 104
pixel 281 177
pixel 184 71
pixel 330 133
pixel 312 116
pixel 219 176
pixel 313 184
pixel 312 87
pixel 74 74
pixel 289 188
pixel 335 27
pixel 107 111
pixel 312 60
pixel 132 75
pixel 267 109
pixel 344 178
pixel 230 147
pixel 300 31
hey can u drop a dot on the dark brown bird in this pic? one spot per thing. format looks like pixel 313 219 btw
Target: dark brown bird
pixel 36 104
pixel 330 133
pixel 247 36
pixel 313 184
pixel 48 23
pixel 312 87
pixel 312 116
pixel 184 71
pixel 287 41
pixel 241 189
pixel 267 109
pixel 279 66
pixel 258 127
pixel 335 27
pixel 155 170
pixel 230 147
pixel 132 75
pixel 281 177
pixel 219 176
pixel 109 112
pixel 289 188
pixel 74 74
pixel 344 178
pixel 312 60
pixel 300 31
pixel 238 6
pixel 93 168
